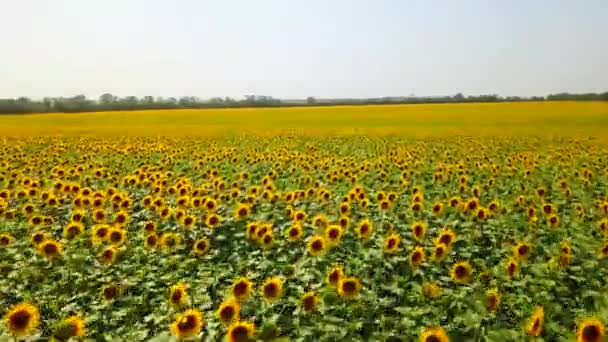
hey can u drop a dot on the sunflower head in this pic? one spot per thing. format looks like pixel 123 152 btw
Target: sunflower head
pixel 101 232
pixel 309 301
pixel 590 330
pixel 272 289
pixel 492 300
pixel 201 246
pixel 431 290
pixel 364 229
pixel 5 239
pixel 392 243
pixel 522 250
pixel 117 236
pixel 73 229
pixel 417 256
pixel 241 289
pixel 461 272
pixel 187 324
pixel 151 241
pixel 294 233
pixel 333 234
pixel 108 255
pixel 178 294
pixel 212 220
pixel 434 334
pixel 240 332
pixel 447 237
pixel 419 230
pixel 22 319
pixel 440 252
pixel 228 311
pixel 72 326
pixel 349 287
pixel 334 276
pixel 50 248
pixel 317 245
pixel 535 326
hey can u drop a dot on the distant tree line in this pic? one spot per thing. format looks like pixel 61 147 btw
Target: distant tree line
pixel 109 102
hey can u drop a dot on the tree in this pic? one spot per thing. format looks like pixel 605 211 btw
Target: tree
pixel 311 100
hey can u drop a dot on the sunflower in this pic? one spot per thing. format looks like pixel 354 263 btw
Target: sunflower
pixel 252 229
pixel 242 211
pixel 333 234
pixel 37 237
pixel 108 255
pixel 22 319
pixel 392 243
pixel 72 326
pixel 165 212
pixel 267 240
pixel 73 229
pixel 431 290
pixel 590 330
pixel 5 239
pixel 228 311
pixel 447 237
pixel 188 324
pixel 168 241
pixel 35 220
pixel 272 289
pixel 434 334
pixel 349 287
pixel 50 248
pixel 440 252
pixel 334 276
pixel 417 256
pixel 364 229
pixel 188 221
pixel 294 233
pixel 240 332
pixel 212 220
pixel 150 227
pixel 309 302
pixel 522 251
pixel 117 236
pixel 482 213
pixel 178 294
pixel 241 289
pixel 437 208
pixel 512 267
pixel 416 207
pixel 461 272
pixel 344 222
pixel 535 325
pixel 151 241
pixel 299 215
pixel 121 218
pixel 492 300
pixel 317 245
pixel 201 246
pixel 100 232
pixel 553 221
pixel 565 254
pixel 419 230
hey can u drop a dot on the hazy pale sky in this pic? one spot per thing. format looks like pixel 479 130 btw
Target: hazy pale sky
pixel 299 48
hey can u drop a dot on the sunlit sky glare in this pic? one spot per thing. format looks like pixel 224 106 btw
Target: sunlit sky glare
pixel 295 49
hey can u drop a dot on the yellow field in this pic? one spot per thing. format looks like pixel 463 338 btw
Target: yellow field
pixel 430 223
pixel 572 118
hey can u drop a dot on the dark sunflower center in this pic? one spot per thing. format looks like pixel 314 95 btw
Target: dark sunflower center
pixel 334 233
pixel 187 323
pixel 418 230
pixel 391 243
pixel 267 239
pixel 271 290
pixel 523 250
pixel 317 245
pixel 461 271
pixel 299 217
pixel 213 220
pixel 109 292
pixel 445 239
pixel 334 277
pixel 591 333
pixel 293 232
pixel 439 251
pixel 240 289
pixel 4 240
pixel 432 338
pixel 152 240
pixel 349 286
pixel 436 208
pixel 364 229
pixel 239 333
pixel 416 257
pixel 108 254
pixel 176 296
pixel 50 249
pixel 38 238
pixel 102 232
pixel 20 319
pixel 227 313
pixel 115 236
pixel 309 303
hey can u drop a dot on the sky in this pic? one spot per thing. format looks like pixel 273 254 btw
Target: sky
pixel 298 48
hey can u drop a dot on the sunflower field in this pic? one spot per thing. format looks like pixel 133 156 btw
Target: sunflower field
pixel 302 234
